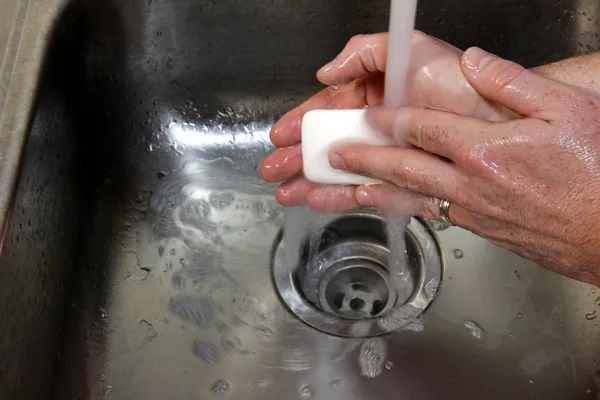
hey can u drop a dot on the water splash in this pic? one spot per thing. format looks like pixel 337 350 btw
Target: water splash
pixel 372 357
pixel 336 384
pixel 476 331
pixel 262 383
pixel 306 391
pixel 221 387
pixel 432 287
pixel 206 351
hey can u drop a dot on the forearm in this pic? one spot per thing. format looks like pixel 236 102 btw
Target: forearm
pixel 582 72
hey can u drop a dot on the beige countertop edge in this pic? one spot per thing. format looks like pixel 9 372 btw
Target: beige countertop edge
pixel 25 27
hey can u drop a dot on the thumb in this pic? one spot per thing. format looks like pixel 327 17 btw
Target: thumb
pixel 512 85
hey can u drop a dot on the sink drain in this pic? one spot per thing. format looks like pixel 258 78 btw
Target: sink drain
pixel 355 290
pixel 338 280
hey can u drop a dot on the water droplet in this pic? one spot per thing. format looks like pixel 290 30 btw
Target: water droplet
pixel 306 391
pixel 591 315
pixel 336 384
pixel 458 253
pixel 262 383
pixel 475 329
pixel 520 315
pixel 221 387
pixel 389 365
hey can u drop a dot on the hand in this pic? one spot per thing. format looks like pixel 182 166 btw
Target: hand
pixel 530 185
pixel 355 80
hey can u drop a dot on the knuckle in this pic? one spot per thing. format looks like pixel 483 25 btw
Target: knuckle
pixel 470 157
pixel 429 208
pixel 466 201
pixel 356 161
pixel 503 73
pixel 415 129
pixel 356 40
pixel 398 174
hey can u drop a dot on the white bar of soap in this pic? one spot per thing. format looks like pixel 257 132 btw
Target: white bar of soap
pixel 321 129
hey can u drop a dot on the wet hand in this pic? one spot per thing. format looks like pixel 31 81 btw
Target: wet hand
pixel 530 185
pixel 355 80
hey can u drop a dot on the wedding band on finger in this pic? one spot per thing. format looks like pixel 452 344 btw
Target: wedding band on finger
pixel 445 211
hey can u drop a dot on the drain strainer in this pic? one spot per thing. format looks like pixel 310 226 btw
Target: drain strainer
pixel 339 280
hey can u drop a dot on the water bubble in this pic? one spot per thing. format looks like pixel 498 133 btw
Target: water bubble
pixel 591 315
pixel 389 365
pixel 458 253
pixel 221 387
pixel 475 329
pixel 336 384
pixel 520 315
pixel 306 391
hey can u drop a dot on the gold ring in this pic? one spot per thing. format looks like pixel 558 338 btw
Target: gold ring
pixel 445 211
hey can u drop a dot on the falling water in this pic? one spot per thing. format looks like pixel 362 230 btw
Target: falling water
pixel 300 220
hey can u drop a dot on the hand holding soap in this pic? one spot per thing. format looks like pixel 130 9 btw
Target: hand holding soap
pixel 321 130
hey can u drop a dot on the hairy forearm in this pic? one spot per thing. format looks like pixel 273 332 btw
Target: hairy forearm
pixel 582 72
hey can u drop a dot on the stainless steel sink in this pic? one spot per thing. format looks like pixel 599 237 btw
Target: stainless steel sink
pixel 136 259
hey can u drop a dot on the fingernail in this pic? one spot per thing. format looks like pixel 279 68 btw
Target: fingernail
pixel 325 68
pixel 476 58
pixel 336 161
pixel 363 198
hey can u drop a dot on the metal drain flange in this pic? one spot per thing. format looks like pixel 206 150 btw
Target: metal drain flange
pixel 338 280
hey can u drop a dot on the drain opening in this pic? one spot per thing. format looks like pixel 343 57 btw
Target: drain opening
pixel 347 275
pixel 355 291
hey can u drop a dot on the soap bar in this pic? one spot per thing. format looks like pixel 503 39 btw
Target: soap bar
pixel 322 129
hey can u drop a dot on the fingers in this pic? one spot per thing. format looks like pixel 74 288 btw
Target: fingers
pixel 282 164
pixel 438 132
pixel 399 202
pixel 512 85
pixel 331 198
pixel 358 94
pixel 410 169
pixel 294 192
pixel 363 55
pixel 395 201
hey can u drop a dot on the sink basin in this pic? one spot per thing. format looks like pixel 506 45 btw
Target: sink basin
pixel 136 258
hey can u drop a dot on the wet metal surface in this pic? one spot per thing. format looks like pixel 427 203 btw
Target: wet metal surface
pixel 135 264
